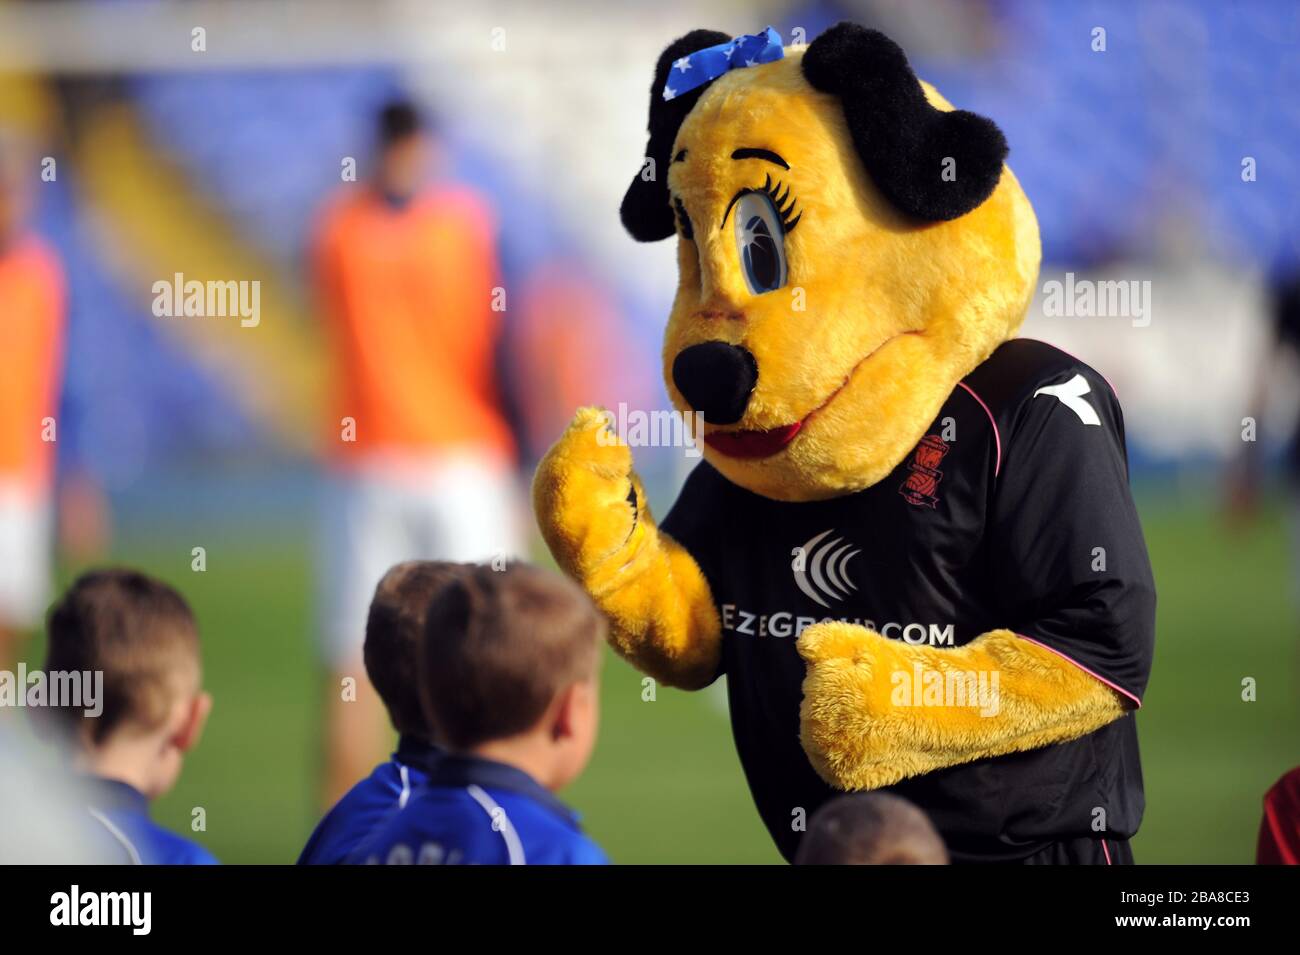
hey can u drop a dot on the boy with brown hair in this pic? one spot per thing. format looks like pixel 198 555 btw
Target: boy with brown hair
pixel 870 829
pixel 508 675
pixel 141 635
pixel 394 630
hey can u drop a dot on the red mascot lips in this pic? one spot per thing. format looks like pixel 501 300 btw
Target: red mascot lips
pixel 752 444
pixel 764 444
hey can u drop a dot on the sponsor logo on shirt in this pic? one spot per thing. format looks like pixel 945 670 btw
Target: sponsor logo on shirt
pixel 821 568
pixel 784 624
pixel 430 853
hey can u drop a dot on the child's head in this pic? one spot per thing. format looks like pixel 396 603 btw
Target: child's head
pixel 394 630
pixel 870 829
pixel 508 670
pixel 141 635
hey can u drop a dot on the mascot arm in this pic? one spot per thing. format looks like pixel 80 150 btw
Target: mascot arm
pixel 866 720
pixel 1073 579
pixel 592 512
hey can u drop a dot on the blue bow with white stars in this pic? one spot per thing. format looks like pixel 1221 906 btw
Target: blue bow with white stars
pixel 708 64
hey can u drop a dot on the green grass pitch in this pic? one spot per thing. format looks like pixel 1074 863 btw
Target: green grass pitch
pixel 665 784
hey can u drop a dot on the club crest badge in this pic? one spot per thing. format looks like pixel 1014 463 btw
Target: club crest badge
pixel 922 484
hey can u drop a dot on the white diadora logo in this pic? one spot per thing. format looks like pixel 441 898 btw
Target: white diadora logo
pixel 1071 395
pixel 826 562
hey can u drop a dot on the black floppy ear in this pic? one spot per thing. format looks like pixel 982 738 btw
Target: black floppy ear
pixel 903 141
pixel 645 211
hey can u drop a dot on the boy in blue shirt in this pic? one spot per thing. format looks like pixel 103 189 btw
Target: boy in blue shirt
pixel 141 635
pixel 508 676
pixel 394 629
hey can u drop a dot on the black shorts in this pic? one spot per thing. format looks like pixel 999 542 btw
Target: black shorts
pixel 1085 851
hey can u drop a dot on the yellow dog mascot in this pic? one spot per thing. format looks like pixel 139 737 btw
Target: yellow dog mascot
pixel 911 546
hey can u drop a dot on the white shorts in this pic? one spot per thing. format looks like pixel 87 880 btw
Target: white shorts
pixel 26 524
pixel 455 507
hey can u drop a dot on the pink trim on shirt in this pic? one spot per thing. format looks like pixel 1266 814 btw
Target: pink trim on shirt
pixel 1106 851
pixel 997 438
pixel 1117 689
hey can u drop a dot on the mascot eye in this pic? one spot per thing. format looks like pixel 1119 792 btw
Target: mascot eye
pixel 760 242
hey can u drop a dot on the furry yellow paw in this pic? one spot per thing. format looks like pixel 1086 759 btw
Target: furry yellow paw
pixel 841 710
pixel 586 496
pixel 834 641
pixel 860 732
pixel 592 511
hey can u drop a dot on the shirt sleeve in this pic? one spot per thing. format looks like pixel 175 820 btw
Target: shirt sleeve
pixel 1069 562
pixel 586 852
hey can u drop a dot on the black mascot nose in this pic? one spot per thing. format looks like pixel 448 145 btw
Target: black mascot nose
pixel 716 379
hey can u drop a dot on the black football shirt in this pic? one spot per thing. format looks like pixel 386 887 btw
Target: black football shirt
pixel 1012 512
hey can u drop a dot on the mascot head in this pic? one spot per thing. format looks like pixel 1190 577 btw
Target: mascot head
pixel 849 246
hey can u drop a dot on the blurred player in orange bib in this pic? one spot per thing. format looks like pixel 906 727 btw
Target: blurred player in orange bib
pixel 422 457
pixel 32 306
